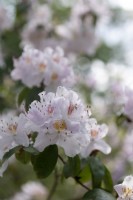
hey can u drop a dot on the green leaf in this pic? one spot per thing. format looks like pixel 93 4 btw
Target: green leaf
pixel 97 171
pixel 72 167
pixel 22 95
pixel 108 182
pixel 28 95
pixel 98 194
pixel 120 119
pixel 85 174
pixel 31 150
pixel 23 156
pixel 8 154
pixel 44 163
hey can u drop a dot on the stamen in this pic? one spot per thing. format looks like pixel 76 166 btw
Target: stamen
pixel 60 125
pixel 12 128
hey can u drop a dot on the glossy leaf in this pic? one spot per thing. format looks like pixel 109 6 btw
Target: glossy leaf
pixel 44 163
pixel 31 150
pixel 108 182
pixel 97 171
pixel 98 194
pixel 28 95
pixel 72 167
pixel 23 156
pixel 8 154
pixel 85 174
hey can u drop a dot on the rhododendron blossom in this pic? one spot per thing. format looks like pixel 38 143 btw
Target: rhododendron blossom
pixel 50 67
pixel 61 119
pixel 38 27
pixel 13 132
pixel 96 133
pixel 125 190
pixel 29 68
pixel 79 32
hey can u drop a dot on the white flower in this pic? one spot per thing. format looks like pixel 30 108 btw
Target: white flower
pixel 79 36
pixel 125 190
pixel 49 67
pixel 13 132
pixel 82 7
pixel 96 132
pixel 80 31
pixel 6 20
pixel 35 190
pixel 29 68
pixel 59 71
pixel 117 90
pixel 32 190
pixel 60 119
pixel 128 105
pixel 38 26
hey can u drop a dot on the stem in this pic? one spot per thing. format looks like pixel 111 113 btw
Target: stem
pixel 80 183
pixel 75 178
pixel 54 186
pixel 79 198
pixel 61 159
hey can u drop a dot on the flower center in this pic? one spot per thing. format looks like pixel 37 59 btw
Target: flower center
pixel 42 67
pixel 127 191
pixel 12 128
pixel 54 76
pixel 28 60
pixel 60 125
pixel 71 108
pixel 94 133
pixel 56 59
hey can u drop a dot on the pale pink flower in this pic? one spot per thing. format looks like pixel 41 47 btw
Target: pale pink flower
pixel 30 67
pixel 38 26
pixel 61 119
pixel 125 189
pixel 50 67
pixel 13 132
pixel 97 133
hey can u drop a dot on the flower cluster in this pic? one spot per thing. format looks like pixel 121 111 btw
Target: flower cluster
pixel 38 27
pixel 49 67
pixel 59 118
pixel 79 31
pixel 96 133
pixel 63 119
pixel 77 35
pixel 13 132
pixel 125 190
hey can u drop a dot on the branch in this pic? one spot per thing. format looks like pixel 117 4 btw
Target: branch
pixel 53 189
pixel 61 159
pixel 75 178
pixel 80 183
